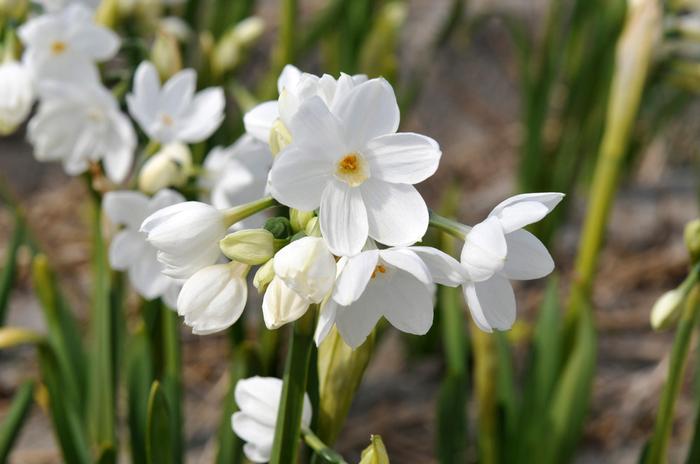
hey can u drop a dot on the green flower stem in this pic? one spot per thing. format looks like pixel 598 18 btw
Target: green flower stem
pixel 453 228
pixel 172 376
pixel 238 213
pixel 327 454
pixel 664 419
pixel 296 372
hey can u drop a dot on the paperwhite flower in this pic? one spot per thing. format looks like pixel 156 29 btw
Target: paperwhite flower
pixel 214 297
pixel 170 167
pixel 187 236
pixel 174 113
pixel 66 45
pixel 349 162
pixel 129 250
pixel 258 400
pixel 16 95
pixel 498 250
pixel 307 267
pixel 294 87
pixel 237 175
pixel 77 124
pixel 282 305
pixel 393 283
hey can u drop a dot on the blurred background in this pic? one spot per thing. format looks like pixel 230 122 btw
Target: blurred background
pixel 515 92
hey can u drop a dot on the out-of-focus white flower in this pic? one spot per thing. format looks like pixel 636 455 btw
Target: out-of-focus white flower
pixel 16 95
pixel 294 88
pixel 393 283
pixel 66 45
pixel 258 400
pixel 498 250
pixel 187 236
pixel 177 27
pixel 237 175
pixel 174 113
pixel 667 309
pixel 53 6
pixel 129 250
pixel 213 298
pixel 170 167
pixel 77 124
pixel 307 267
pixel 349 162
pixel 282 305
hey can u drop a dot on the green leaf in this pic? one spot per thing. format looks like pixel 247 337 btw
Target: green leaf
pixel 139 376
pixel 452 419
pixel 14 419
pixel 172 378
pixel 158 428
pixel 9 270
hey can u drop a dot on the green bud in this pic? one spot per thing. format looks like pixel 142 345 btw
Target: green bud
pixel 667 309
pixel 691 235
pixel 313 228
pixel 264 276
pixel 166 55
pixel 280 137
pixel 375 453
pixel 299 219
pixel 280 227
pixel 250 246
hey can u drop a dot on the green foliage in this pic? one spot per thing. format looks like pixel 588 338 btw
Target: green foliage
pixel 159 446
pixel 14 419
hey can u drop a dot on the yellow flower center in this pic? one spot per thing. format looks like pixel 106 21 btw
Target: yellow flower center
pixel 58 47
pixel 167 120
pixel 352 169
pixel 379 268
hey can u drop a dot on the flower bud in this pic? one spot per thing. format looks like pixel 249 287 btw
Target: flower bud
pixel 107 13
pixel 249 246
pixel 13 9
pixel 16 95
pixel 375 453
pixel 170 167
pixel 280 227
pixel 667 309
pixel 264 276
pixel 249 30
pixel 299 219
pixel 282 305
pixel 166 55
pixel 691 235
pixel 280 137
pixel 307 267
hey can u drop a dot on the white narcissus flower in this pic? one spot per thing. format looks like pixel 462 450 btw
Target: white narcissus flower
pixel 282 305
pixel 214 297
pixel 82 124
pixel 351 164
pixel 67 45
pixel 173 112
pixel 393 283
pixel 187 236
pixel 307 267
pixel 237 175
pixel 170 167
pixel 16 95
pixel 294 88
pixel 129 250
pixel 258 400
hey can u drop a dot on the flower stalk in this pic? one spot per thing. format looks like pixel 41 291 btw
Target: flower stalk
pixel 238 213
pixel 328 455
pixel 454 228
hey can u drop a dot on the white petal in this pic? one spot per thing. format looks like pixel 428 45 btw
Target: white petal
pixel 177 92
pixel 527 257
pixel 97 42
pixel 368 111
pixel 259 397
pixel 164 198
pixel 485 249
pixel 343 219
pixel 122 143
pixel 326 319
pixel 143 102
pixel 288 77
pixel 258 121
pixel 444 269
pixel 307 267
pixel 298 178
pixel 404 158
pixel 204 116
pixel 356 322
pixel 491 303
pixel 408 261
pixel 408 304
pixel 282 305
pixel 252 431
pixel 316 130
pixel 397 214
pixel 126 248
pixel 146 275
pixel 354 277
pixel 520 210
pixel 126 207
pixel 257 453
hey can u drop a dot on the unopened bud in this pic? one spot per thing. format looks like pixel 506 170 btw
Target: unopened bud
pixel 691 235
pixel 170 167
pixel 280 137
pixel 375 453
pixel 667 309
pixel 250 246
pixel 313 228
pixel 299 219
pixel 228 51
pixel 249 30
pixel 166 55
pixel 280 227
pixel 264 276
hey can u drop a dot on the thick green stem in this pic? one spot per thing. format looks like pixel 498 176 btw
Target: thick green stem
pixel 172 376
pixel 238 213
pixel 449 226
pixel 296 372
pixel 327 454
pixel 679 354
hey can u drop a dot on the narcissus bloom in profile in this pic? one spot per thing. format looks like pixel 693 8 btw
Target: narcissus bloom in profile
pixel 67 45
pixel 187 236
pixel 79 124
pixel 129 250
pixel 498 250
pixel 258 400
pixel 214 297
pixel 16 95
pixel 349 162
pixel 173 112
